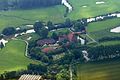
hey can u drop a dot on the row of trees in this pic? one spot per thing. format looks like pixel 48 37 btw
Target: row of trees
pixel 3 4
pixel 43 30
pixel 36 3
pixel 80 25
pixel 109 39
pixel 38 69
pixel 104 52
pixel 40 29
pixel 27 4
pixel 8 31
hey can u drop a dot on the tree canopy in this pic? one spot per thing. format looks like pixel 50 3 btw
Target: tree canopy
pixel 27 4
pixel 9 31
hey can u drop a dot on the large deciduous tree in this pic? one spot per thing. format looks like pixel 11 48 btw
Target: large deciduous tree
pixel 37 26
pixel 40 29
pixel 9 31
pixel 50 25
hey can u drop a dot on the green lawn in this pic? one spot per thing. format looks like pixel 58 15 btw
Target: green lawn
pixel 33 36
pixel 12 57
pixel 104 70
pixel 92 9
pixel 9 21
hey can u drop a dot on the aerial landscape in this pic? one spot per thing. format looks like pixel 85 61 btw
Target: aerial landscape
pixel 59 40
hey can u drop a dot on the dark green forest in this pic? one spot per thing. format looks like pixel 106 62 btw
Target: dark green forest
pixel 27 4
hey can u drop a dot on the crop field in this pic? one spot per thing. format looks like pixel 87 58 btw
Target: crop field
pixel 12 57
pixel 104 70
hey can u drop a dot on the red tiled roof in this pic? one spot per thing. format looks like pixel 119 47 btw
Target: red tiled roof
pixel 71 36
pixel 48 49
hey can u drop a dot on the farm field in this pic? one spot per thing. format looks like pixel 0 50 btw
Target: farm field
pixel 56 13
pixel 12 57
pixel 102 29
pixel 104 70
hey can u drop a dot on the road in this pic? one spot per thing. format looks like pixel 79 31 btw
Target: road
pixel 71 75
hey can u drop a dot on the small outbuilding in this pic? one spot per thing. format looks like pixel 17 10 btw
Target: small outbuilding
pixel 30 77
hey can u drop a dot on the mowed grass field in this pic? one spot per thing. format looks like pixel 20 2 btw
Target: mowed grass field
pixel 92 8
pixel 104 70
pixel 56 13
pixel 12 57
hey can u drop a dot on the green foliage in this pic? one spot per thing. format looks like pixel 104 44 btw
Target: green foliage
pixel 104 52
pixel 50 25
pixel 63 75
pixel 9 31
pixel 79 26
pixel 37 69
pixel 40 29
pixel 45 59
pixel 43 33
pixel 68 23
pixel 9 75
pixel 54 36
pixel 1 45
pixel 37 26
pixel 3 4
pixel 23 4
